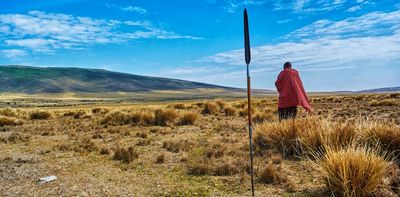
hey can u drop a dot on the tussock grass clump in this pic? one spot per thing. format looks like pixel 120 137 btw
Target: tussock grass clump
pixel 220 103
pixel 263 117
pixel 148 118
pixel 281 136
pixel 39 115
pixel 271 175
pixel 125 155
pixel 8 112
pixel 189 118
pixel 353 171
pixel 164 117
pixel 176 146
pixel 6 121
pixel 179 106
pixel 119 118
pixel 384 102
pixel 160 158
pixel 210 108
pixel 229 111
pixel 385 135
pixel 15 138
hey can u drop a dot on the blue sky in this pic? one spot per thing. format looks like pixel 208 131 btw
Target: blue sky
pixel 335 44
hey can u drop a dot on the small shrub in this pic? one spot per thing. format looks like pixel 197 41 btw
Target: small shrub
pixel 165 117
pixel 229 111
pixel 125 155
pixel 225 169
pixel 39 115
pixel 79 114
pixel 210 108
pixel 353 171
pixel 189 118
pixel 176 146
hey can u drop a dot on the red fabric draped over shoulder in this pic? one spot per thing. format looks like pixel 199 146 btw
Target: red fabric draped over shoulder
pixel 291 90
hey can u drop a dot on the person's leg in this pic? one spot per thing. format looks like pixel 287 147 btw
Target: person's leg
pixel 281 113
pixel 291 112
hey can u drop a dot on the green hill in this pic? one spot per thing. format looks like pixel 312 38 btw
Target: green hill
pixel 33 80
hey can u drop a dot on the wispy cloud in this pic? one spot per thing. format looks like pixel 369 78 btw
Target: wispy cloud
pixel 129 8
pixel 329 45
pixel 232 5
pixel 371 24
pixel 308 6
pixel 13 53
pixel 41 31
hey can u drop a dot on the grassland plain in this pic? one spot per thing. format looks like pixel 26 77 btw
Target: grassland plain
pixel 198 147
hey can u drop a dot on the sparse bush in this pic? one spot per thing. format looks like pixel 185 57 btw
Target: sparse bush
pixel 16 137
pixel 229 111
pixel 225 168
pixel 125 155
pixel 85 145
pixel 353 171
pixel 189 118
pixel 39 115
pixel 210 108
pixel 165 117
pixel 79 114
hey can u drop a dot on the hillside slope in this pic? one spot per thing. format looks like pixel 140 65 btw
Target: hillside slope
pixel 24 79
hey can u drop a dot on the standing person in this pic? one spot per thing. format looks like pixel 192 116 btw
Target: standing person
pixel 291 93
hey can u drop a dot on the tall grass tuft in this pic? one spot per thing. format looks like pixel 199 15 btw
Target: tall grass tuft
pixel 189 118
pixel 353 171
pixel 210 108
pixel 164 117
pixel 39 115
pixel 125 155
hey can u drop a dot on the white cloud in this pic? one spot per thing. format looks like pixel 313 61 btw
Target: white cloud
pixel 232 5
pixel 308 6
pixel 13 53
pixel 134 9
pixel 328 45
pixel 42 31
pixel 354 8
pixel 371 24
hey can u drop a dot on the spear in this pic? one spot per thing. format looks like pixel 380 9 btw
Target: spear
pixel 248 58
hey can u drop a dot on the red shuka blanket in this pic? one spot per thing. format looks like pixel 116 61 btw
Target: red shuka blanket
pixel 291 90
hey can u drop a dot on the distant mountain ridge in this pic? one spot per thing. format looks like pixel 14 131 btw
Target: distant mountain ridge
pixel 32 80
pixel 377 90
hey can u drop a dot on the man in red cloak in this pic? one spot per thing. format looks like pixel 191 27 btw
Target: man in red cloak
pixel 291 93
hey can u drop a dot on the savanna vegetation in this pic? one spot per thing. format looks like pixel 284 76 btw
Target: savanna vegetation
pixel 349 146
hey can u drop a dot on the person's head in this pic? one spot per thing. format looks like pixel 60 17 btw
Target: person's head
pixel 287 65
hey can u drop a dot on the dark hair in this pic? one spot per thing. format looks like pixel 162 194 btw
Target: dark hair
pixel 287 65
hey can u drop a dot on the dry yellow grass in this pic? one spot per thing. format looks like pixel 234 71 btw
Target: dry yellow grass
pixel 353 171
pixel 209 157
